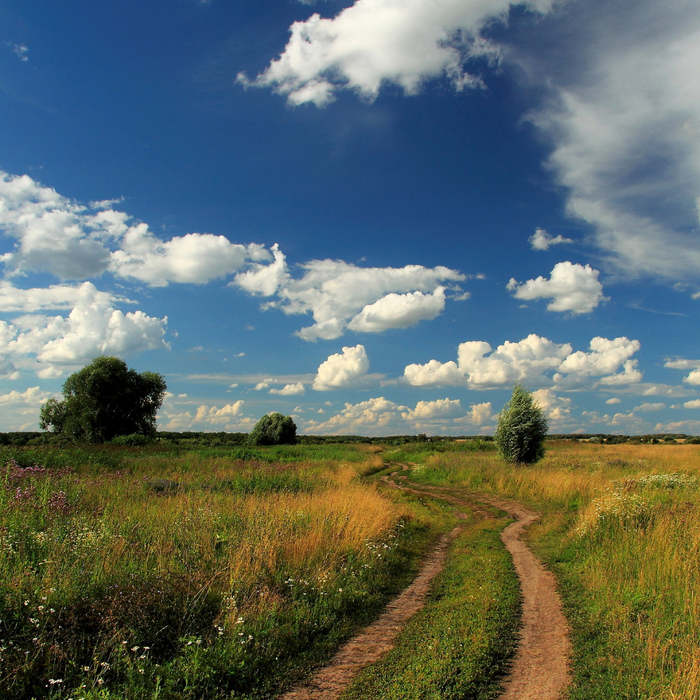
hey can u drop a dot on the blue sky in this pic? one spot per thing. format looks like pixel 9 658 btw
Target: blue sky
pixel 376 217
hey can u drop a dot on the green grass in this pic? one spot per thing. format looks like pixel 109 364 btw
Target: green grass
pixel 458 646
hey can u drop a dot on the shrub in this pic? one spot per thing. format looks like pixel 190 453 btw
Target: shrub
pixel 522 428
pixel 274 429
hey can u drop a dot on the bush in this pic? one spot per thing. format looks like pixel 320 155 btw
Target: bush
pixel 522 428
pixel 274 429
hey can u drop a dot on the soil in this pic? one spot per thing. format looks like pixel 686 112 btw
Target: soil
pixel 540 670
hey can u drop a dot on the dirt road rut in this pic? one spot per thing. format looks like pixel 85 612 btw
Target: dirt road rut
pixel 540 670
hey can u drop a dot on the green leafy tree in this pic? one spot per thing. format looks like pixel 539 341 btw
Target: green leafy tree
pixel 103 400
pixel 522 428
pixel 274 429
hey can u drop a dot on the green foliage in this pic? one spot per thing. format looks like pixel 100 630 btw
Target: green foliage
pixel 103 400
pixel 274 429
pixel 522 428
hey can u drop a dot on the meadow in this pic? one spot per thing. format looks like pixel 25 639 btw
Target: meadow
pixel 187 572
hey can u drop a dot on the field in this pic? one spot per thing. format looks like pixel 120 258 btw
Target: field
pixel 184 572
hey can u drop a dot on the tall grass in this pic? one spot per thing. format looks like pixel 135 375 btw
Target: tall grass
pixel 186 575
pixel 621 528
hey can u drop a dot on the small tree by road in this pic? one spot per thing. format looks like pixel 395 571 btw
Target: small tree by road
pixel 274 429
pixel 104 400
pixel 522 428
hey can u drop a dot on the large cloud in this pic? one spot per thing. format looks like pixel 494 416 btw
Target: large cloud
pixel 72 241
pixel 622 118
pixel 340 295
pixel 342 371
pixel 374 42
pixel 92 328
pixel 195 258
pixel 534 360
pixel 571 287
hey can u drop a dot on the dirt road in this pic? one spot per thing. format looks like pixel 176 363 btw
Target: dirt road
pixel 540 668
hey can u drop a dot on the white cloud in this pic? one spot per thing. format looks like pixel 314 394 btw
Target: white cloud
pixel 196 258
pixel 228 418
pixel 682 364
pixel 339 294
pixel 622 116
pixel 604 358
pixel 649 407
pixel 58 296
pixel 372 417
pixel 290 390
pixel 92 328
pixel 480 413
pixel 689 427
pixel 614 400
pixel 534 361
pixel 541 240
pixel 34 396
pixel 556 408
pixel 19 410
pixel 375 42
pixel 571 287
pixel 695 403
pixel 399 311
pixel 342 371
pixel 54 234
pixel 21 51
pixel 693 378
pixel 57 235
pixel 441 408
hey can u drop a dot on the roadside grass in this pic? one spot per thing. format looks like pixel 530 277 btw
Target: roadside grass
pixel 140 573
pixel 459 645
pixel 621 530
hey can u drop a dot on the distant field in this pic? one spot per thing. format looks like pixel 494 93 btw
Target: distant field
pixel 191 572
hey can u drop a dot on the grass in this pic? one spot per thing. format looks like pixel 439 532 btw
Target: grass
pixel 458 646
pixel 180 575
pixel 621 529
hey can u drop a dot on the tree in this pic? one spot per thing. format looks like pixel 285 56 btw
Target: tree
pixel 522 428
pixel 274 429
pixel 103 400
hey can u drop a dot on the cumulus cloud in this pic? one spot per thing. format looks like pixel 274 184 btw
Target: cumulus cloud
pixel 441 408
pixel 229 417
pixel 375 42
pixel 92 328
pixel 71 241
pixel 340 295
pixel 290 390
pixel 58 296
pixel 19 410
pixel 371 417
pixel 682 364
pixel 480 413
pixel 622 118
pixel 556 408
pixel 399 311
pixel 693 378
pixel 649 407
pixel 541 240
pixel 695 403
pixel 534 361
pixel 614 400
pixel 195 258
pixel 571 287
pixel 343 370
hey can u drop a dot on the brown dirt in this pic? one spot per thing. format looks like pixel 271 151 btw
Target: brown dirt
pixel 540 669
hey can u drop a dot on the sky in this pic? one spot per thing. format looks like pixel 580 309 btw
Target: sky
pixel 376 217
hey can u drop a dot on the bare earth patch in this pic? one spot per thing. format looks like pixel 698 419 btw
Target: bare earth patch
pixel 540 669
